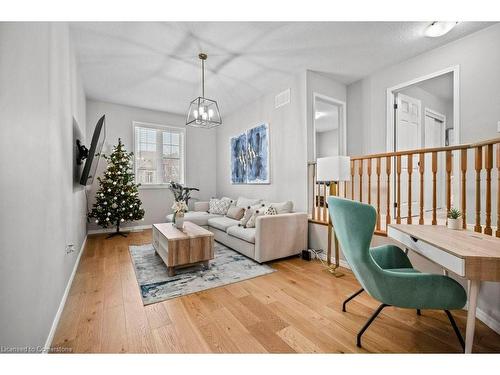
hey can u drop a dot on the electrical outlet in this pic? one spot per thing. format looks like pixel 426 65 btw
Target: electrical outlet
pixel 498 126
pixel 70 248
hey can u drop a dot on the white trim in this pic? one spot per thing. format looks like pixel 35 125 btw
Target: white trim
pixel 125 229
pixel 488 320
pixel 456 103
pixel 57 317
pixel 182 129
pixel 343 132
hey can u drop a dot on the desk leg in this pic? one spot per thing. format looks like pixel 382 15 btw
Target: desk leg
pixel 471 314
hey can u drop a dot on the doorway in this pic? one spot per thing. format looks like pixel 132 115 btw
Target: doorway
pixel 329 121
pixel 423 114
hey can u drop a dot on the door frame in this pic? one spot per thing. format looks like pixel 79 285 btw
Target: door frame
pixel 390 128
pixel 343 116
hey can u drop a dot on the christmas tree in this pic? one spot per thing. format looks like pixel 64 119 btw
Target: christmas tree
pixel 117 199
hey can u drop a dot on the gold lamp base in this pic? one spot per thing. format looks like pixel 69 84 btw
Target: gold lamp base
pixel 333 268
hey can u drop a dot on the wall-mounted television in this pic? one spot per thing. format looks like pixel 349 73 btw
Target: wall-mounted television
pixel 92 155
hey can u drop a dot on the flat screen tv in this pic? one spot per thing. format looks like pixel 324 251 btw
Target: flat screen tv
pixel 92 155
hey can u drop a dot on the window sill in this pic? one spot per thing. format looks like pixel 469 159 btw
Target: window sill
pixel 153 186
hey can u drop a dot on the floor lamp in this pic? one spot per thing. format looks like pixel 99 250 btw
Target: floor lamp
pixel 333 169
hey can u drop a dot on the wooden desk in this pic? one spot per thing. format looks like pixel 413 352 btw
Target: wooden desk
pixel 471 255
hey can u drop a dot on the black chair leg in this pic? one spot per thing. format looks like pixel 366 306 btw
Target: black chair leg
pixel 367 324
pixel 419 312
pixel 455 328
pixel 350 298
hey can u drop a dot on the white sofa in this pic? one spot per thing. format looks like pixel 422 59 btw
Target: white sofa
pixel 274 236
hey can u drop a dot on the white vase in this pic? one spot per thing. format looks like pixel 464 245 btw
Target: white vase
pixel 455 224
pixel 179 220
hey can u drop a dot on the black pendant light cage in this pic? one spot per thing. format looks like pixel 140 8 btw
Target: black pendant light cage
pixel 203 112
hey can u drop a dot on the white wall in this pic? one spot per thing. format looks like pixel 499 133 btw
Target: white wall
pixel 327 143
pixel 287 146
pixel 200 154
pixel 41 210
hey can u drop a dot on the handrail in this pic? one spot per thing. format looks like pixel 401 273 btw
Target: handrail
pixel 425 150
pixel 421 185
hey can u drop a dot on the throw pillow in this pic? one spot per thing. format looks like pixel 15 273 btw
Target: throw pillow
pixel 283 207
pixel 270 210
pixel 245 202
pixel 249 210
pixel 246 216
pixel 251 222
pixel 235 213
pixel 219 206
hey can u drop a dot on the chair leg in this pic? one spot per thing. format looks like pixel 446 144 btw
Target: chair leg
pixel 455 328
pixel 350 298
pixel 367 324
pixel 419 312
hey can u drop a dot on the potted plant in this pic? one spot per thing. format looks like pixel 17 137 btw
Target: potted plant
pixel 180 208
pixel 181 199
pixel 454 219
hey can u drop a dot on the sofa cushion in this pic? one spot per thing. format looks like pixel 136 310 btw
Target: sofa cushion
pixel 222 222
pixel 245 234
pixel 245 202
pixel 197 217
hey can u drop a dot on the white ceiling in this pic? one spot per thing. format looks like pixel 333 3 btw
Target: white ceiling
pixel 441 86
pixel 155 65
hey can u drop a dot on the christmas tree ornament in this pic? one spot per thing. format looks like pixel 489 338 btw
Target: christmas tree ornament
pixel 117 180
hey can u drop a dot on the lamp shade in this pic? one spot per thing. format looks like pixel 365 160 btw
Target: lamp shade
pixel 333 168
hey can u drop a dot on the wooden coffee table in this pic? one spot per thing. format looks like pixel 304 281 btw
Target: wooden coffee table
pixel 181 248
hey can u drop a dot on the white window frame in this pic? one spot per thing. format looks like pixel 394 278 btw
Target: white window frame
pixel 142 124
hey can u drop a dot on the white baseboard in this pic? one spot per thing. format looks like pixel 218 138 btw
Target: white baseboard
pixel 110 230
pixel 488 320
pixel 55 323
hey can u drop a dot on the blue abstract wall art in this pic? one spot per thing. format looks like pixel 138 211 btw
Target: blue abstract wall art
pixel 250 156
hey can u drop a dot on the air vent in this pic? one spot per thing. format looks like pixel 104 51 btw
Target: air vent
pixel 283 98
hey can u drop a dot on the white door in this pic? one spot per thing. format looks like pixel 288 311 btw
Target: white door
pixel 434 137
pixel 408 137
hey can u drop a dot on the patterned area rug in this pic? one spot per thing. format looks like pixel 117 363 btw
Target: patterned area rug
pixel 227 267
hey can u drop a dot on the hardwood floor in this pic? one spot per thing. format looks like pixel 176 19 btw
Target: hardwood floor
pixel 297 309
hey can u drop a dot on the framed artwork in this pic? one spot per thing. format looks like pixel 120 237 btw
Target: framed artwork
pixel 250 156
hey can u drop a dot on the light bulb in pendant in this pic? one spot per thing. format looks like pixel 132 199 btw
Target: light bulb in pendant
pixel 195 114
pixel 210 113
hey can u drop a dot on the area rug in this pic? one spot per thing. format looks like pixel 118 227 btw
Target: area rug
pixel 227 267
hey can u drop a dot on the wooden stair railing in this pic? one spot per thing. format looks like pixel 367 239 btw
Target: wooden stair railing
pixel 443 180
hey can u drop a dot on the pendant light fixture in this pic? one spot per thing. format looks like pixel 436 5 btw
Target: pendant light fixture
pixel 203 112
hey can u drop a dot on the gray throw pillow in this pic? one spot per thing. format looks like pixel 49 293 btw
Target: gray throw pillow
pixel 219 206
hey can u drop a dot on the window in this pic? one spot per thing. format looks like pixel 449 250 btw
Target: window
pixel 159 154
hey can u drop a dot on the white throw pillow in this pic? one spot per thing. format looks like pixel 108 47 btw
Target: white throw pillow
pixel 248 214
pixel 251 222
pixel 219 206
pixel 245 202
pixel 283 207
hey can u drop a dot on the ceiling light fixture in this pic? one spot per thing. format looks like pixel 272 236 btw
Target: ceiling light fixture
pixel 439 28
pixel 203 112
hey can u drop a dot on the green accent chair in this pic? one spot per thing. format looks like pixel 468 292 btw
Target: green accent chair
pixel 385 272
